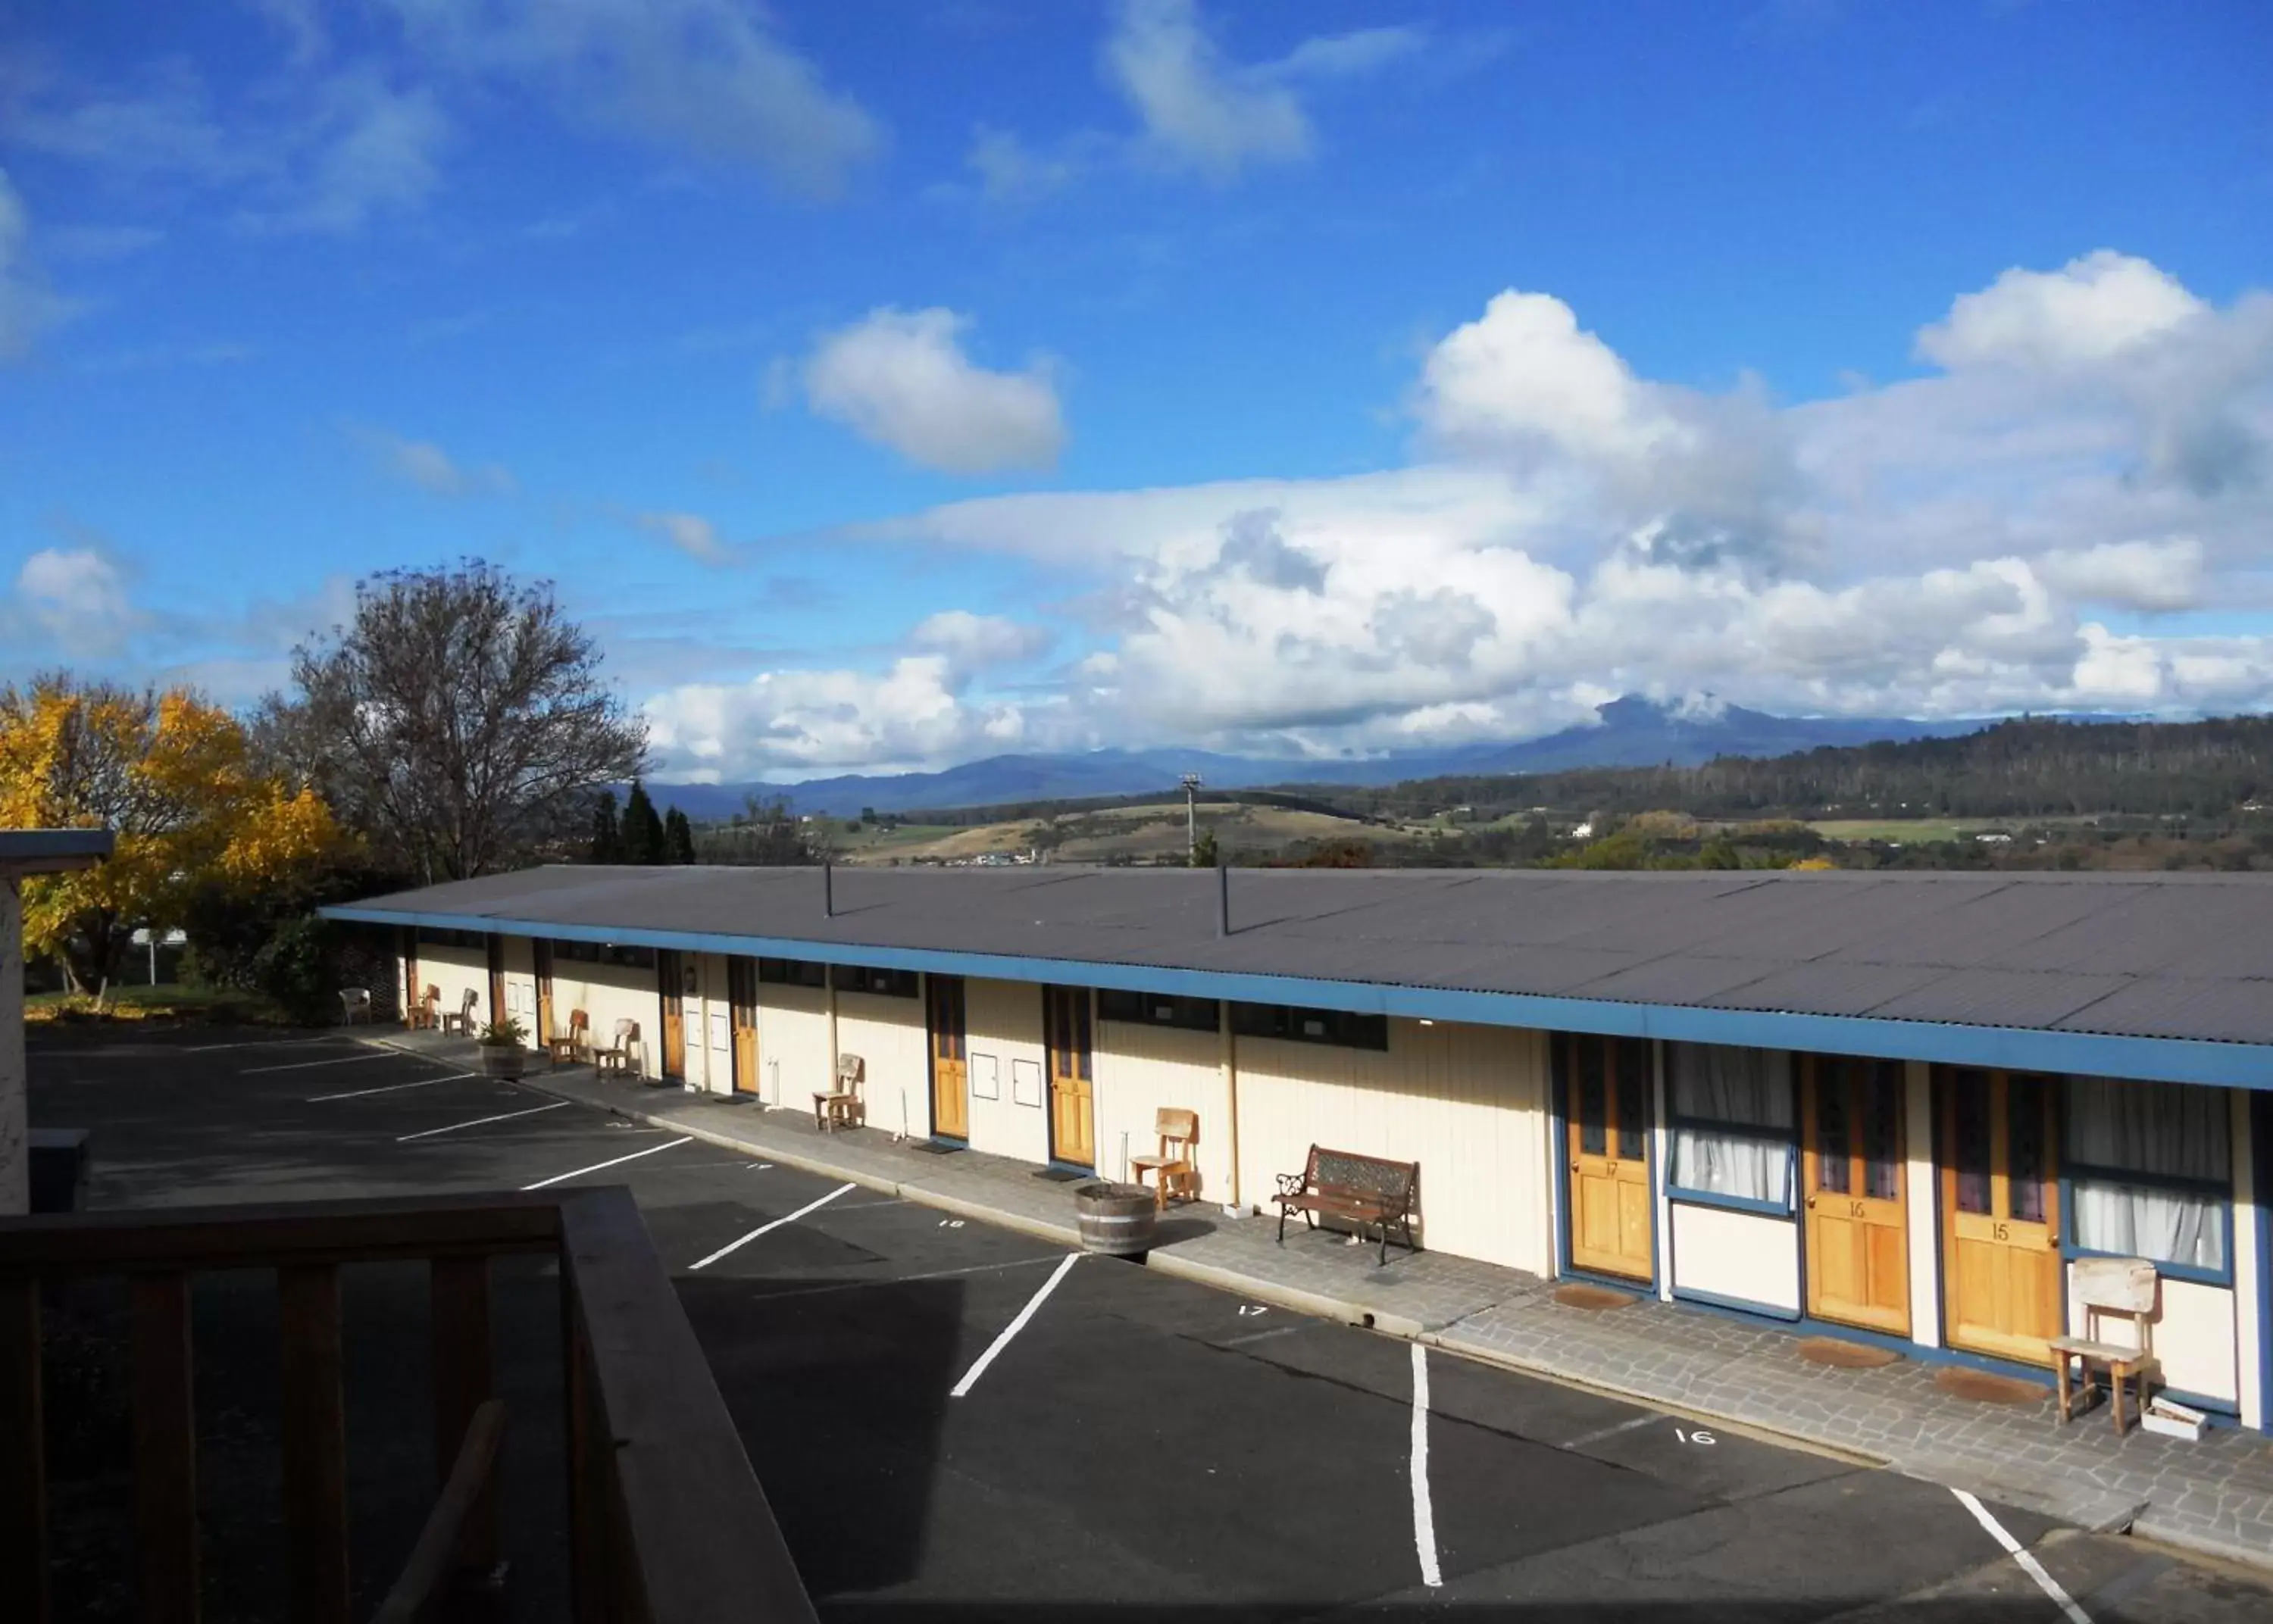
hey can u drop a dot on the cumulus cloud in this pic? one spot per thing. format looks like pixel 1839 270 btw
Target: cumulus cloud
pixel 76 597
pixel 973 643
pixel 433 470
pixel 1199 110
pixel 2089 312
pixel 901 379
pixel 710 79
pixel 27 307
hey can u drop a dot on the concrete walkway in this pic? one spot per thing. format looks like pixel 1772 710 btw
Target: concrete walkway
pixel 2216 1495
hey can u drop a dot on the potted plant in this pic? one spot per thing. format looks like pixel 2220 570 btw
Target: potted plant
pixel 502 1054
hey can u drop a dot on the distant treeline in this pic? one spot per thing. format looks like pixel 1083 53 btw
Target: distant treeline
pixel 2024 768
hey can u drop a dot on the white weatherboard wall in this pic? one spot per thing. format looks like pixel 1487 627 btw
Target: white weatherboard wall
pixel 710 1027
pixel 608 993
pixel 793 1044
pixel 1003 1025
pixel 2249 1269
pixel 2192 1332
pixel 520 988
pixel 1922 1189
pixel 1468 1102
pixel 1142 1068
pixel 1746 1257
pixel 888 1034
pixel 456 971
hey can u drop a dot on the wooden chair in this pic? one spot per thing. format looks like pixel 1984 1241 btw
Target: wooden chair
pixel 2109 1286
pixel 355 1004
pixel 839 1107
pixel 426 1012
pixel 1179 1131
pixel 576 1041
pixel 461 1019
pixel 617 1057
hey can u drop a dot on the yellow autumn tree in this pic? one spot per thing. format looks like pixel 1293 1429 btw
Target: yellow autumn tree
pixel 173 778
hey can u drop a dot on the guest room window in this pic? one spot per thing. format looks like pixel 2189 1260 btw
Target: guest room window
pixel 1731 1116
pixel 2151 1171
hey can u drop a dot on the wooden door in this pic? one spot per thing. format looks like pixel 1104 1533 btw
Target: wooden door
pixel 543 950
pixel 742 994
pixel 1607 1088
pixel 412 993
pixel 1066 1028
pixel 950 1057
pixel 496 946
pixel 1851 1172
pixel 672 991
pixel 1999 1176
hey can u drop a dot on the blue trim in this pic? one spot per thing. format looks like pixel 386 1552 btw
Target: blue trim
pixel 1735 1304
pixel 2069 1253
pixel 1733 1203
pixel 2165 1059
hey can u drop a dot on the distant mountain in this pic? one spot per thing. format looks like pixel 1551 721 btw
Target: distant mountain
pixel 1632 731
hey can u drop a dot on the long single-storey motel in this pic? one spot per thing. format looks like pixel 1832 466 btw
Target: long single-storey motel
pixel 1887 1106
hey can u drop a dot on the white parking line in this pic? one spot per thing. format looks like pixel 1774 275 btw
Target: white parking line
pixel 970 1376
pixel 598 1167
pixel 262 1042
pixel 1424 1514
pixel 763 1229
pixel 1612 1431
pixel 345 1060
pixel 2030 1565
pixel 390 1087
pixel 404 1139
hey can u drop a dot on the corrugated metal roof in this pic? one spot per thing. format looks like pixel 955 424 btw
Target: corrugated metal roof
pixel 2157 955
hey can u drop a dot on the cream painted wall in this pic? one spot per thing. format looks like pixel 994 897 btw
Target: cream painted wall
pixel 455 971
pixel 888 1034
pixel 1003 1020
pixel 2192 1333
pixel 1744 1256
pixel 1922 1192
pixel 520 988
pixel 1142 1068
pixel 1468 1102
pixel 608 993
pixel 2249 1269
pixel 793 1060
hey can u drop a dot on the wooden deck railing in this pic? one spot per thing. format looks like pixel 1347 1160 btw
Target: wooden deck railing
pixel 666 1522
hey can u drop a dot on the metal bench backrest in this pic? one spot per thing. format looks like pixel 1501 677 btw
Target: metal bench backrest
pixel 1369 1175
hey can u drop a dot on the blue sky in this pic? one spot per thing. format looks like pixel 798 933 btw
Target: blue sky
pixel 888 384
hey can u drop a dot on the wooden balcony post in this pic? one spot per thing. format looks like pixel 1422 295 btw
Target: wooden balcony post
pixel 464 1379
pixel 315 1444
pixel 165 1448
pixel 23 1464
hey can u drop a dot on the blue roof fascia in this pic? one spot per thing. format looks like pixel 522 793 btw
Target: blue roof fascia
pixel 2159 1060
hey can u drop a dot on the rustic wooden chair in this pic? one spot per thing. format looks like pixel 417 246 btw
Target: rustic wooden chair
pixel 461 1019
pixel 355 1005
pixel 1179 1131
pixel 573 1043
pixel 840 1106
pixel 2112 1286
pixel 617 1057
pixel 426 1010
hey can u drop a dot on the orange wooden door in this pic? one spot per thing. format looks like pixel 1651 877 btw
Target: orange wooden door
pixel 1066 1026
pixel 1999 1213
pixel 742 995
pixel 950 1059
pixel 412 993
pixel 1607 1095
pixel 1851 1173
pixel 669 988
pixel 495 944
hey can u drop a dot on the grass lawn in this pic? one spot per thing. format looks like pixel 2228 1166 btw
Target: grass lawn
pixel 1904 831
pixel 167 1002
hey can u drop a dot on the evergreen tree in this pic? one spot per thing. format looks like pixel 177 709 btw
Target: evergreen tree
pixel 642 827
pixel 677 837
pixel 607 840
pixel 1204 852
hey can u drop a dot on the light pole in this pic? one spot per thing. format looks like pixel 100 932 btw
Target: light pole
pixel 1191 781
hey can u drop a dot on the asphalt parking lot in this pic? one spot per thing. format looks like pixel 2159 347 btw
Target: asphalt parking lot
pixel 955 1422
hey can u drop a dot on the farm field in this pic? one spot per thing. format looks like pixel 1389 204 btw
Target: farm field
pixel 1134 833
pixel 1903 831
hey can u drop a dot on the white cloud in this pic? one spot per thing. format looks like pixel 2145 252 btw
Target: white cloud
pixel 1200 111
pixel 2090 311
pixel 27 307
pixel 300 23
pixel 974 643
pixel 705 78
pixel 427 466
pixel 2163 575
pixel 691 533
pixel 375 150
pixel 77 597
pixel 901 379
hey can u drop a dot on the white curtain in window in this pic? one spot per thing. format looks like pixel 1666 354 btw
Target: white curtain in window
pixel 2164 1129
pixel 1749 1091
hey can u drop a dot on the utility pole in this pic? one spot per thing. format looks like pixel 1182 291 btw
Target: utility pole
pixel 1191 818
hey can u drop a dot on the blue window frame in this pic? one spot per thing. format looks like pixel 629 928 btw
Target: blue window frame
pixel 1732 1115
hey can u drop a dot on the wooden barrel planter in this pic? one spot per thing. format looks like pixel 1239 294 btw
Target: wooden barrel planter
pixel 1116 1219
pixel 502 1059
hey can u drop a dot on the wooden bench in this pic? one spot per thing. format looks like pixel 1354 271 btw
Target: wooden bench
pixel 1363 1189
pixel 2109 1285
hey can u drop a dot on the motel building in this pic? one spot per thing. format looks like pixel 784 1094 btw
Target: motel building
pixel 1893 1107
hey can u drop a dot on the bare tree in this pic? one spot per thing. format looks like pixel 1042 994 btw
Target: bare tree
pixel 459 723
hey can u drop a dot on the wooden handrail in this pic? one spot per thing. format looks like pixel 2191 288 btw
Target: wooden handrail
pixel 188 1239
pixel 434 1559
